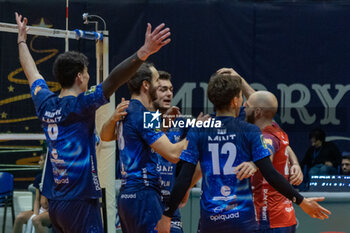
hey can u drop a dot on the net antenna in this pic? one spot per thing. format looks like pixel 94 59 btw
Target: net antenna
pixel 106 163
pixel 67 39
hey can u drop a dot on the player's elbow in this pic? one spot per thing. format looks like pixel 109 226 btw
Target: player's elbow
pixel 174 159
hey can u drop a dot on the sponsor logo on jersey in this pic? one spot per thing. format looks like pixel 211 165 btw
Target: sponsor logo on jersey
pixel 263 141
pixel 54 153
pixel 37 89
pixel 225 190
pixel 222 138
pixel 176 224
pixel 92 90
pixel 61 181
pixel 268 141
pixel 224 217
pixel 128 196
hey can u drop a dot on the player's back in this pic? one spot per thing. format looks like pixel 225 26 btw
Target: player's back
pixel 69 125
pixel 138 161
pixel 225 199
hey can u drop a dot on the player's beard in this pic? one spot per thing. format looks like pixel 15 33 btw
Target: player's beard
pixel 250 118
pixel 153 92
pixel 156 106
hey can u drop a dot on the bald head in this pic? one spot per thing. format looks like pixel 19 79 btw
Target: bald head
pixel 264 100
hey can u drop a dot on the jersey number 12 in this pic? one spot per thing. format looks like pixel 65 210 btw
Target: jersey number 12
pixel 228 148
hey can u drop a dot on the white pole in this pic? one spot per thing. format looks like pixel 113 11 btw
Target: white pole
pixel 66 39
pixel 106 150
pixel 21 136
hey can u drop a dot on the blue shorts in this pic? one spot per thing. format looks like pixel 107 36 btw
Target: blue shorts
pixel 75 216
pixel 290 229
pixel 139 211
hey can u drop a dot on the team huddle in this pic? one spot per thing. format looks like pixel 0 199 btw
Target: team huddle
pixel 245 161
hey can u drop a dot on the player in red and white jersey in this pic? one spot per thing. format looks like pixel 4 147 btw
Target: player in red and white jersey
pixel 274 211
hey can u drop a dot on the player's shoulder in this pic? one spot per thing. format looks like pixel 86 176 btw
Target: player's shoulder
pixel 276 131
pixel 248 126
pixel 135 107
pixel 39 88
pixel 135 117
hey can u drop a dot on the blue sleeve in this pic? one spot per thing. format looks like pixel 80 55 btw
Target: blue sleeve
pixel 191 154
pixel 177 134
pixel 258 146
pixel 92 99
pixel 40 93
pixel 37 181
pixel 151 135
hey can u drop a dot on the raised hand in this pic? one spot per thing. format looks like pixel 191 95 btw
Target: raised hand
pixel 202 117
pixel 154 41
pixel 312 208
pixel 22 28
pixel 227 71
pixel 119 112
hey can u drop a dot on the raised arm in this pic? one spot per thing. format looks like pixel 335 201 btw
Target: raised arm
pixel 25 57
pixel 125 70
pixel 246 88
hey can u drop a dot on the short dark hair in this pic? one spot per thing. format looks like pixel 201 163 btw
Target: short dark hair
pixel 143 73
pixel 317 134
pixel 346 157
pixel 222 88
pixel 163 75
pixel 67 66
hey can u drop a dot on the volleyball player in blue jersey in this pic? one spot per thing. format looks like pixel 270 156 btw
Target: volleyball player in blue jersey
pixel 139 201
pixel 226 201
pixel 166 169
pixel 71 183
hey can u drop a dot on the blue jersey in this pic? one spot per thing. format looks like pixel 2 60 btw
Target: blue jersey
pixel 165 168
pixel 219 151
pixel 138 163
pixel 241 114
pixel 70 172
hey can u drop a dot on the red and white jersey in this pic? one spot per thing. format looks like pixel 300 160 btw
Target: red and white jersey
pixel 272 208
